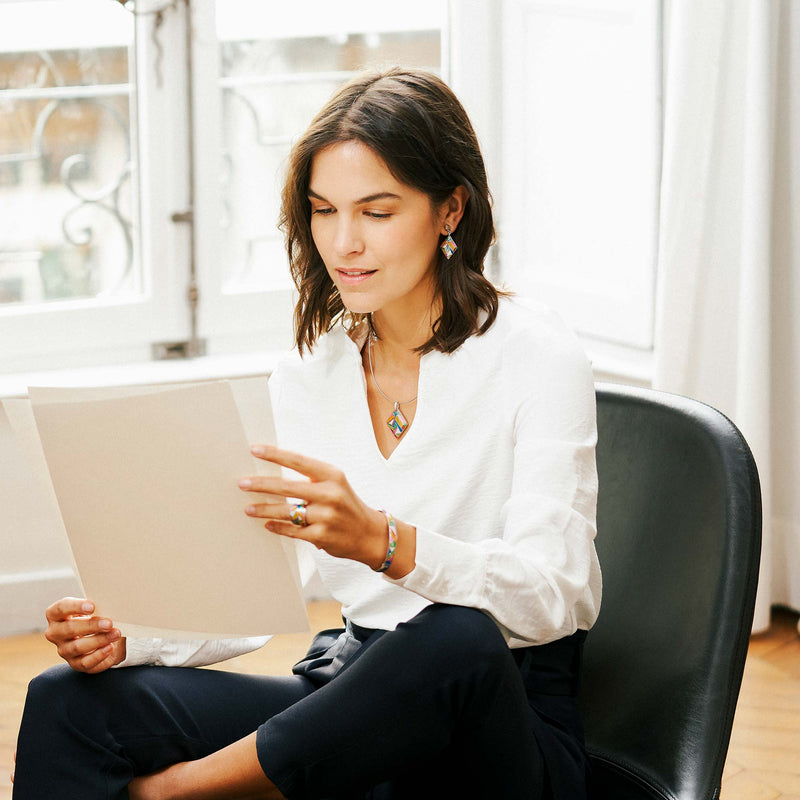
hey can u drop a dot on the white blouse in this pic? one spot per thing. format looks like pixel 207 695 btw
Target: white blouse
pixel 497 473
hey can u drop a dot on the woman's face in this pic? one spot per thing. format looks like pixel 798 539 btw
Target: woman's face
pixel 377 237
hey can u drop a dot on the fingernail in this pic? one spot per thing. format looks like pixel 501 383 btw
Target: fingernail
pixel 114 635
pixel 105 624
pixel 257 450
pixel 250 510
pixel 245 483
pixel 87 608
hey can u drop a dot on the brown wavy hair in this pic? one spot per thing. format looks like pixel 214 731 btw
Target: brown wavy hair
pixel 412 120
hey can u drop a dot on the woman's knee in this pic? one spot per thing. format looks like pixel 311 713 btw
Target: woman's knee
pixel 61 702
pixel 81 700
pixel 460 636
pixel 53 687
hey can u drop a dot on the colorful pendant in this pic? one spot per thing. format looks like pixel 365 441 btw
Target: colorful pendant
pixel 397 422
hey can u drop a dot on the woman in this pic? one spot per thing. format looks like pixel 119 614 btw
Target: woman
pixel 447 436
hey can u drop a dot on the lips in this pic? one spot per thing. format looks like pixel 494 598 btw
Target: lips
pixel 351 277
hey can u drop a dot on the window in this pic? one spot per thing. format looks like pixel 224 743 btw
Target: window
pixel 69 234
pixel 141 190
pixel 140 196
pixel 581 156
pixel 67 135
pixel 273 73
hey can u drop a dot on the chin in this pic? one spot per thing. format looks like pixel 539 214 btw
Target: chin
pixel 358 305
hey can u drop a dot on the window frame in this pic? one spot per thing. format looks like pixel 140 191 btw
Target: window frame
pixel 80 332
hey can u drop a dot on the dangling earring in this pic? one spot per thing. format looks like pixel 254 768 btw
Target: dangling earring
pixel 448 245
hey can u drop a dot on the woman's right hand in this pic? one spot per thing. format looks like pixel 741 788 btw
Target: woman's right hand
pixel 86 642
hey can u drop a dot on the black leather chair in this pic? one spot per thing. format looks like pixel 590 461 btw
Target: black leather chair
pixel 679 539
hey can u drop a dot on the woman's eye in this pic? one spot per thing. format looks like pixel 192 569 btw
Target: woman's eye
pixel 377 214
pixel 322 211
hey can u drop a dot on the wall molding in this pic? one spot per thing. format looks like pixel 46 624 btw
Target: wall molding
pixel 24 596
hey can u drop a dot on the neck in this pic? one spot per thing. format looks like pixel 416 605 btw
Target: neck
pixel 404 333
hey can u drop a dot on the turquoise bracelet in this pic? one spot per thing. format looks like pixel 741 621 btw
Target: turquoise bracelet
pixel 392 541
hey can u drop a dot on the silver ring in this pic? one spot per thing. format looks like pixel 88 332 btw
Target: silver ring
pixel 297 513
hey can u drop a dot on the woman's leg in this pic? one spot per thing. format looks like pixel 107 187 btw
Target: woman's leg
pixel 84 737
pixel 443 683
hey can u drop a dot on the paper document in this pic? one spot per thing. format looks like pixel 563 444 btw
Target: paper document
pixel 146 481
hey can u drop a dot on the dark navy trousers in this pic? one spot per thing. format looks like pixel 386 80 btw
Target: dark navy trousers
pixel 438 708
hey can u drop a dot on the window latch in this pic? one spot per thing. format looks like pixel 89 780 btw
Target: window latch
pixel 162 351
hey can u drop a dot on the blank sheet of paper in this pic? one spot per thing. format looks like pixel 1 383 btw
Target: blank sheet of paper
pixel 146 482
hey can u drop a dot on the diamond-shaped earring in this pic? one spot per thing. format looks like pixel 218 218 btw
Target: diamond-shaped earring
pixel 448 245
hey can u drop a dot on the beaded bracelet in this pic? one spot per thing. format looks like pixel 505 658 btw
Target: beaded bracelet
pixel 392 542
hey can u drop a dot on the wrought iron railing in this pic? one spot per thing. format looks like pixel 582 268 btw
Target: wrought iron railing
pixel 107 199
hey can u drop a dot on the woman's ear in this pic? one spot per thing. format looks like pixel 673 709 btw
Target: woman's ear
pixel 453 209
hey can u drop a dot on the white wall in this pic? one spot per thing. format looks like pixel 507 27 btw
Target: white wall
pixel 35 560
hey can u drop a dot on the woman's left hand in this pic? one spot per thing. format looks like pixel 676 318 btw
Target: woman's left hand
pixel 337 520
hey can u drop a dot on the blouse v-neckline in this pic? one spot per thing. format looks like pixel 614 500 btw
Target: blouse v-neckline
pixel 365 414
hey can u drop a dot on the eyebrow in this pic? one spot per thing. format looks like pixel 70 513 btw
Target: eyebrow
pixel 370 198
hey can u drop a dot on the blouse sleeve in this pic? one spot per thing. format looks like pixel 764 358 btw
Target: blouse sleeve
pixel 540 580
pixel 194 653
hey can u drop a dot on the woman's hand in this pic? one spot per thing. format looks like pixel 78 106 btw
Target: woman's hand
pixel 338 521
pixel 86 642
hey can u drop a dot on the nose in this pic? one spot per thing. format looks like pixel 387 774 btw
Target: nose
pixel 347 238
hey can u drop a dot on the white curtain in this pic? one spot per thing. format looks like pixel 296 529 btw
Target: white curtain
pixel 728 311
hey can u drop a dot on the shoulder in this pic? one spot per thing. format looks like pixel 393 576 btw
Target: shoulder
pixel 330 351
pixel 312 386
pixel 541 362
pixel 546 378
pixel 528 333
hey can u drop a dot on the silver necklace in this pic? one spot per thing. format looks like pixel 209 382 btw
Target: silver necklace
pixel 397 422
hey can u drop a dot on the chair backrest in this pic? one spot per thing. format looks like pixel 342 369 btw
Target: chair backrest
pixel 679 539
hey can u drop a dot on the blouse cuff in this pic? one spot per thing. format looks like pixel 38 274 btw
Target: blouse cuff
pixel 139 652
pixel 434 576
pixel 195 653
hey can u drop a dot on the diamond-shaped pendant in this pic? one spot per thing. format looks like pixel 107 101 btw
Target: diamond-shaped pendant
pixel 397 422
